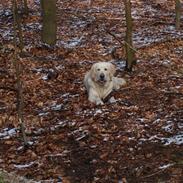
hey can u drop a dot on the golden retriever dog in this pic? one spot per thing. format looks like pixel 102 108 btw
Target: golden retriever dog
pixel 100 82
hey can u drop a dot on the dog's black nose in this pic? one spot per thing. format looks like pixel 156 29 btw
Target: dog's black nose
pixel 102 76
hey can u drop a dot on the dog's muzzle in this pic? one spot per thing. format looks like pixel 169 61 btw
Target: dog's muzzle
pixel 102 79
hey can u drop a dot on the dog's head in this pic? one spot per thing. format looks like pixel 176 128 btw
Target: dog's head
pixel 102 72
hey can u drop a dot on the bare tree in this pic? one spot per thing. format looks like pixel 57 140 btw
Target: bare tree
pixel 178 13
pixel 130 53
pixel 26 9
pixel 18 76
pixel 24 6
pixel 17 24
pixel 49 21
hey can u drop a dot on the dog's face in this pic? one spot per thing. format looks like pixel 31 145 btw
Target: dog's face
pixel 102 72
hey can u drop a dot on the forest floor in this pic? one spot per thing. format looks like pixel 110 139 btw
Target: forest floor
pixel 136 139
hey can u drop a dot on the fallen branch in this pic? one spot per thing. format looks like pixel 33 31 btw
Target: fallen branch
pixel 121 42
pixel 155 173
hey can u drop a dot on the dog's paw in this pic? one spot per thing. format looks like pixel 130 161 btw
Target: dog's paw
pixel 122 81
pixel 118 82
pixel 99 102
pixel 95 100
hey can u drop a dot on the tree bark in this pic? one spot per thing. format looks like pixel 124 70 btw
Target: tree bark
pixel 49 21
pixel 128 39
pixel 26 9
pixel 16 64
pixel 178 13
pixel 17 24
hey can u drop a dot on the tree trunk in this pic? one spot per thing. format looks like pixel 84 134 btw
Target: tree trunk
pixel 49 21
pixel 17 24
pixel 18 78
pixel 178 13
pixel 26 9
pixel 130 53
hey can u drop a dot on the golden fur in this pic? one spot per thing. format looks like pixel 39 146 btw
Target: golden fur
pixel 100 82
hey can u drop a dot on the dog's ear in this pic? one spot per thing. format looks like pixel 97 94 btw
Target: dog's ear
pixel 93 72
pixel 112 69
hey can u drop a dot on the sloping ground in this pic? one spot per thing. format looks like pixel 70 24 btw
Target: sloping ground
pixel 138 138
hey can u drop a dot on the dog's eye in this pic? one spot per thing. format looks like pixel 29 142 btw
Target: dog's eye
pixel 98 69
pixel 105 69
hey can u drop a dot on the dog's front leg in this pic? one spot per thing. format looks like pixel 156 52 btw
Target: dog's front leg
pixel 94 97
pixel 118 82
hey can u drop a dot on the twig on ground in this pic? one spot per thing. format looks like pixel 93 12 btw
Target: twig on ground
pixel 155 173
pixel 121 42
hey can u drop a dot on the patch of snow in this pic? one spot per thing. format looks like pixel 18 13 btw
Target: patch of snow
pixel 12 132
pixel 112 100
pixel 75 42
pixel 65 95
pixel 60 67
pixel 4 13
pixel 63 123
pixel 166 166
pixel 106 139
pixel 171 27
pixel 3 134
pixel 71 43
pixel 157 121
pixel 80 23
pixel 33 26
pixel 178 50
pixel 51 107
pixel 91 112
pixel 7 33
pixel 38 70
pixel 93 146
pixel 20 148
pixel 3 108
pixel 180 125
pixel 168 128
pixel 45 77
pixel 75 95
pixel 30 143
pixel 166 62
pixel 102 111
pixel 7 133
pixel 145 36
pixel 39 131
pixel 82 136
pixel 141 120
pixel 176 139
pixel 24 165
pixel 135 14
pixel 58 154
pixel 153 139
pixel 43 114
pixel 120 64
pixel 98 111
pixel 131 138
pixel 57 107
pixel 79 134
